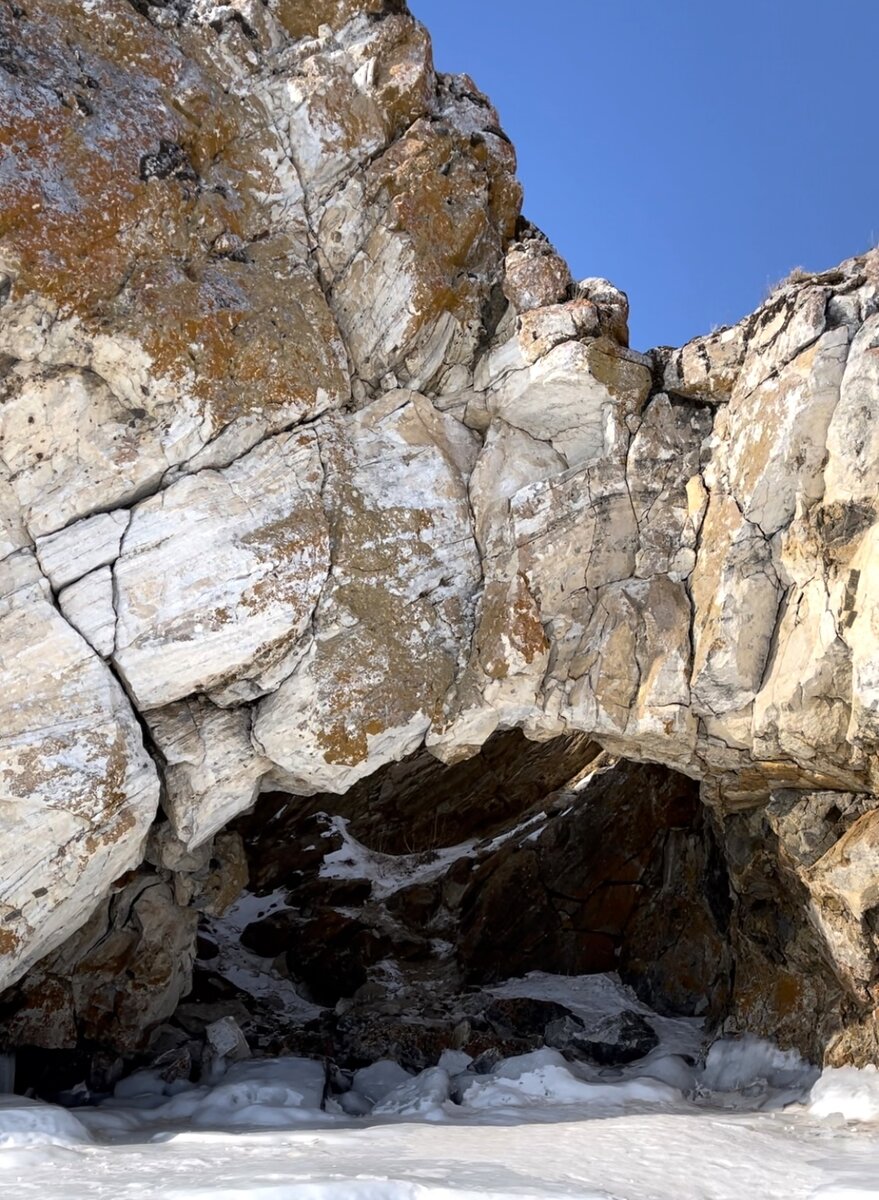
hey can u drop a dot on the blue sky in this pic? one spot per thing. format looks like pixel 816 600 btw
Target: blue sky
pixel 693 151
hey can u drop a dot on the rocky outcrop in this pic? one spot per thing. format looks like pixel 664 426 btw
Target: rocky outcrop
pixel 314 457
pixel 128 967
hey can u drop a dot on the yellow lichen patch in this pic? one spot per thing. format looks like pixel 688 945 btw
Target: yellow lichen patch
pixel 97 795
pixel 343 747
pixel 450 205
pixel 352 122
pixel 352 117
pixel 442 192
pixel 403 78
pixel 96 220
pixel 626 380
pixel 122 823
pixel 376 542
pixel 509 626
pixel 292 553
pixel 374 678
pixel 86 103
pixel 9 941
pixel 526 629
pixel 303 18
pixel 115 791
pixel 242 338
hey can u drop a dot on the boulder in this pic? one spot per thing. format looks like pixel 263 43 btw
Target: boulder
pixel 611 1041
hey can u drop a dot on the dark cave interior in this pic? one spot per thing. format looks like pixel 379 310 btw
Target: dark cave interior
pixel 391 908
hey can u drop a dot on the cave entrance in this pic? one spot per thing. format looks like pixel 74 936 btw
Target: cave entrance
pixel 383 907
pixel 374 925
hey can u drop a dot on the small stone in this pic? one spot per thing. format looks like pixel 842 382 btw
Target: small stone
pixel 485 1063
pixel 617 1039
pixel 522 1016
pixel 612 305
pixel 174 1064
pixel 226 1039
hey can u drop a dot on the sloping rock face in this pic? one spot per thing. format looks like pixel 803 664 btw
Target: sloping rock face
pixel 313 456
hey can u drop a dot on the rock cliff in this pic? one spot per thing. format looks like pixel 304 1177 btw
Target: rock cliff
pixel 314 458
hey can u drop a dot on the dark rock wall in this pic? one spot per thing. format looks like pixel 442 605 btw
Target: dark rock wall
pixel 623 875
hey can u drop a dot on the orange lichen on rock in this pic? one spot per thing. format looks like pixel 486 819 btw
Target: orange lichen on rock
pixel 140 201
pixel 303 18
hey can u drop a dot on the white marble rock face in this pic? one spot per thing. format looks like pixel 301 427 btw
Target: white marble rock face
pixel 372 472
pixel 78 790
pixel 218 574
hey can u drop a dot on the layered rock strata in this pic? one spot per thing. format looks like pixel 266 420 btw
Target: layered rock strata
pixel 313 456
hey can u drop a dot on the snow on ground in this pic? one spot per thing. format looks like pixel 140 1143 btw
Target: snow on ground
pixel 849 1093
pixel 595 996
pixel 671 1152
pixel 249 971
pixel 749 1122
pixel 389 873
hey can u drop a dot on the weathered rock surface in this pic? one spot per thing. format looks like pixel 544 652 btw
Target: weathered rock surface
pixel 130 964
pixel 79 791
pixel 313 456
pixel 255 554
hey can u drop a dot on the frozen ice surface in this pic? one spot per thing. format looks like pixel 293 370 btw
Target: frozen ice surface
pixel 851 1093
pixel 270 1093
pixel 424 1096
pixel 757 1072
pixel 593 998
pixel 26 1123
pixel 375 1081
pixel 546 1078
pixel 742 1126
pixel 671 1152
pixel 454 1061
